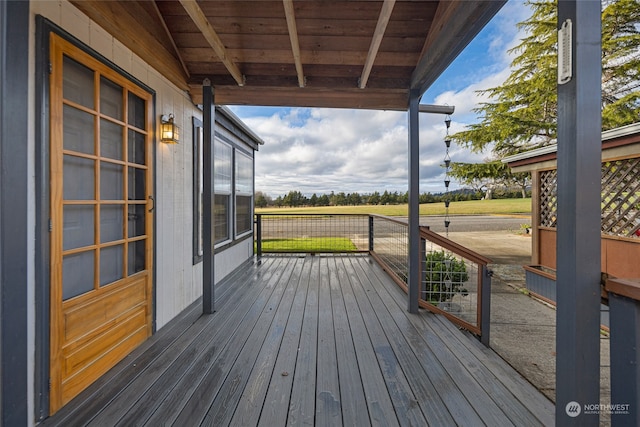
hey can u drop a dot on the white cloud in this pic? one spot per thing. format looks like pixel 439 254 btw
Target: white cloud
pixel 324 150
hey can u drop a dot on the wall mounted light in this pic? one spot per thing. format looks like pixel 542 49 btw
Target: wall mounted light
pixel 169 131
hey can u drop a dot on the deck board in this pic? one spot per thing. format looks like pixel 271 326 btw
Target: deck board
pixel 319 340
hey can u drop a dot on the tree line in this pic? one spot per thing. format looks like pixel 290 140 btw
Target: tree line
pixel 296 199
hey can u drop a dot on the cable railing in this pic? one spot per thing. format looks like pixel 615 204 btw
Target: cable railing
pixel 311 233
pixel 455 281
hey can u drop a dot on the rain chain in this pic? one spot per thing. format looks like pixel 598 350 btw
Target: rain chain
pixel 447 180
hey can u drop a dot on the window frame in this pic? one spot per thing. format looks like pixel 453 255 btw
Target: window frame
pixel 238 193
pixel 230 210
pixel 198 190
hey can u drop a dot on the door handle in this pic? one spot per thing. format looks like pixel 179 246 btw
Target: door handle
pixel 154 203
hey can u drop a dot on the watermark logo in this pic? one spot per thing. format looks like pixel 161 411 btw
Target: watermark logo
pixel 573 409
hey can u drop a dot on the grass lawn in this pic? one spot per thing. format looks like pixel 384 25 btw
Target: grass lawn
pixel 473 207
pixel 309 244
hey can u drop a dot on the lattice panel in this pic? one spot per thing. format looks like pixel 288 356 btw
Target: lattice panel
pixel 548 198
pixel 621 198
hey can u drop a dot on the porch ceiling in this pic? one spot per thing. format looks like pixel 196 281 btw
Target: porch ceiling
pixel 344 54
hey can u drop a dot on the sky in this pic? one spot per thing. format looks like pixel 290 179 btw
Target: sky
pixel 319 150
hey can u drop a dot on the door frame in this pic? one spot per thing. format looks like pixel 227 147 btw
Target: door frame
pixel 15 231
pixel 44 29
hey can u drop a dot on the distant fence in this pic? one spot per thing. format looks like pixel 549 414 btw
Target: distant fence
pixel 322 233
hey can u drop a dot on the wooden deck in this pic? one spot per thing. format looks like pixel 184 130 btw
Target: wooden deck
pixel 315 340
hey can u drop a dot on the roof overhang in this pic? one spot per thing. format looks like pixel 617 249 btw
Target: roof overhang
pixel 345 54
pixel 619 142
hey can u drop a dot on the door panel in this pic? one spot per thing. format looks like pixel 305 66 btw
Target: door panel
pixel 101 263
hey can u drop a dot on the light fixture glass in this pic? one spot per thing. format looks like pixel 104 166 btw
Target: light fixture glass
pixel 169 131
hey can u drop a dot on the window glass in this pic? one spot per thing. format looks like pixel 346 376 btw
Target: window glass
pixel 244 193
pixel 198 190
pixel 222 167
pixel 221 218
pixel 243 214
pixel 244 173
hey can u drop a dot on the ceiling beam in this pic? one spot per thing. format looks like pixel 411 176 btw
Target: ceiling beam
pixel 381 26
pixel 173 42
pixel 199 18
pixel 293 36
pixel 370 99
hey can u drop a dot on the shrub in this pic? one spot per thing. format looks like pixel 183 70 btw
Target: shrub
pixel 445 276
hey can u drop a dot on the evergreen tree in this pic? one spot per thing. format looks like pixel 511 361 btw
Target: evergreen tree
pixel 487 177
pixel 522 112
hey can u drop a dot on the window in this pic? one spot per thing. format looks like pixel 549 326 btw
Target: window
pixel 198 241
pixel 244 193
pixel 222 182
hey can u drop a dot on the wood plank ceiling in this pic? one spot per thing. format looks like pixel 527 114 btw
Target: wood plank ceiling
pixel 345 54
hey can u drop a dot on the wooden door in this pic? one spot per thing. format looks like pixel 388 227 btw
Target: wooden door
pixel 101 225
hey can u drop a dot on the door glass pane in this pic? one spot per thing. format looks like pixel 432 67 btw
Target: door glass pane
pixel 137 111
pixel 136 256
pixel 136 147
pixel 110 99
pixel 136 220
pixel 77 84
pixel 110 140
pixel 77 274
pixel 111 223
pixel 136 183
pixel 111 267
pixel 78 181
pixel 111 181
pixel 78 229
pixel 78 128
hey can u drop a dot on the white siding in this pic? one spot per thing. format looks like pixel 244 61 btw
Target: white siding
pixel 232 258
pixel 178 282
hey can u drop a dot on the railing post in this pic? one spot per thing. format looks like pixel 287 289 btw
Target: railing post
pixel 485 305
pixel 370 233
pixel 259 235
pixel 624 317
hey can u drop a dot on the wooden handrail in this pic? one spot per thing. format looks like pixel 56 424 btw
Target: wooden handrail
pixel 434 237
pixel 629 288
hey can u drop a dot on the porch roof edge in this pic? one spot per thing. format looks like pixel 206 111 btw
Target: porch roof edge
pixel 623 131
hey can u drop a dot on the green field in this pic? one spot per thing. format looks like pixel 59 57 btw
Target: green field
pixel 309 244
pixel 473 207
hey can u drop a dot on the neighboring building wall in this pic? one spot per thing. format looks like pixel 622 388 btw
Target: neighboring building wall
pixel 620 243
